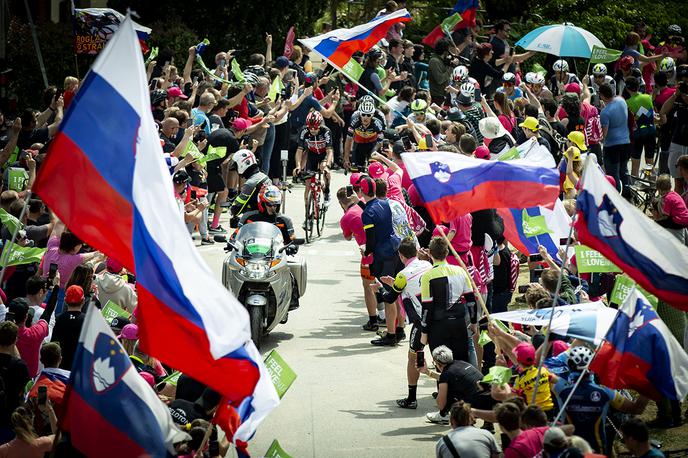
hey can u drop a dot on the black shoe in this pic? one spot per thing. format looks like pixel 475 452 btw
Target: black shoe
pixel 217 230
pixel 207 241
pixel 386 341
pixel 661 423
pixel 434 394
pixel 294 305
pixel 400 335
pixel 406 404
pixel 384 322
pixel 370 327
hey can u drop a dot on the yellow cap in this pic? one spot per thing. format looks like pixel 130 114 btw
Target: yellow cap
pixel 578 138
pixel 530 123
pixel 574 153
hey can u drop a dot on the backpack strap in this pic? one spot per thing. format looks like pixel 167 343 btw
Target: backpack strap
pixel 451 447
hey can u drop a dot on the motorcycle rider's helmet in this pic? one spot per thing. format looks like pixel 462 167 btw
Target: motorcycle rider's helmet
pixel 269 196
pixel 244 158
pixel 560 66
pixel 599 70
pixel 314 120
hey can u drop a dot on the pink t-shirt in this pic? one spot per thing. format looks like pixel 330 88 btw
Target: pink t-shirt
pixel 664 95
pixel 29 342
pixel 352 225
pixel 394 186
pixel 527 444
pixel 414 196
pixel 507 122
pixel 406 180
pixel 66 263
pixel 462 239
pixel 18 448
pixel 675 208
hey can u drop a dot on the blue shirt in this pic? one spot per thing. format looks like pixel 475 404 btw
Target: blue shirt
pixel 298 116
pixel 517 93
pixel 614 117
pixel 378 215
pixel 201 119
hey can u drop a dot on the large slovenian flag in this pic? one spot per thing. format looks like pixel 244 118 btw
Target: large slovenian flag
pixel 647 252
pixel 641 353
pixel 110 410
pixel 466 9
pixel 452 185
pixel 558 223
pixel 106 178
pixel 337 46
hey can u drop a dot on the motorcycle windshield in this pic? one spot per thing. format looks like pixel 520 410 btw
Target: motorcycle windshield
pixel 259 239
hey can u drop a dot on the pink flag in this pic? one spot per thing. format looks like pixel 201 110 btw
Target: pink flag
pixel 289 42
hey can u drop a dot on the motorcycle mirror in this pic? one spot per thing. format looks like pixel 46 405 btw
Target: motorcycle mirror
pixel 220 238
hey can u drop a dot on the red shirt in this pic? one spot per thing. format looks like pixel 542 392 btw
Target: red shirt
pixel 29 342
pixel 527 444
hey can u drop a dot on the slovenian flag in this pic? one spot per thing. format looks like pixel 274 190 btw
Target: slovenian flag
pixel 187 319
pixel 452 185
pixel 640 353
pixel 463 17
pixel 337 46
pixel 644 250
pixel 526 228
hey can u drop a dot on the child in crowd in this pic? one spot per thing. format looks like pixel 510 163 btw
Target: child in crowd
pixel 671 212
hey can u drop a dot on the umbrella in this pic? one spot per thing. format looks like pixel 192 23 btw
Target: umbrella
pixel 564 40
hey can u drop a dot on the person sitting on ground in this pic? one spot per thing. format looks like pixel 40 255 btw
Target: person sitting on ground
pixel 113 287
pixel 671 212
pixel 465 440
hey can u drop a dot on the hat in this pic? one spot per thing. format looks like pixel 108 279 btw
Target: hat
pixel 129 332
pixel 573 87
pixel 19 307
pixel 377 170
pixel 398 148
pixel 436 230
pixel 241 124
pixel 282 62
pixel 355 178
pixel 491 128
pixel 174 91
pixel 578 138
pixel 113 266
pixel 530 123
pixel 525 353
pixel 118 323
pixel 555 437
pixel 482 152
pixel 576 154
pixel 367 185
pixel 559 347
pixel 181 176
pixel 148 377
pixel 74 295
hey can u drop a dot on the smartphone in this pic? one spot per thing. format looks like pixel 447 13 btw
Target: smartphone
pixel 42 395
pixel 58 92
pixel 535 258
pixel 420 358
pixel 407 143
pixel 52 271
pixel 193 193
pixel 522 289
pixel 563 241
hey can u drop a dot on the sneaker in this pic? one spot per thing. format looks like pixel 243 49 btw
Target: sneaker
pixel 370 327
pixel 217 229
pixel 435 417
pixel 382 321
pixel 406 404
pixel 386 341
pixel 207 241
pixel 400 335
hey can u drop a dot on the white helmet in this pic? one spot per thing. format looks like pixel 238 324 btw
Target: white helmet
pixel 244 158
pixel 460 73
pixel 538 79
pixel 599 69
pixel 366 107
pixel 561 66
pixel 529 77
pixel 467 89
pixel 580 357
pixel 509 77
pixel 667 65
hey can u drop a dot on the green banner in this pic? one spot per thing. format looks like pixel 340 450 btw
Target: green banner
pixel 534 225
pixel 450 23
pixel 353 69
pixel 275 88
pixel 513 153
pixel 111 311
pixel 17 178
pixel 172 379
pixel 153 54
pixel 604 55
pixel 537 68
pixel 213 153
pixel 276 451
pixel 191 149
pixel 498 375
pixel 236 71
pixel 484 339
pixel 19 255
pixel 9 221
pixel 623 287
pixel 589 260
pixel 281 374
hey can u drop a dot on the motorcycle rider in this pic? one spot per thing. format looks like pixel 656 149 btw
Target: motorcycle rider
pixel 248 169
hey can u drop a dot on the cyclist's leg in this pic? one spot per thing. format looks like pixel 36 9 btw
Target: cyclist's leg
pixel 650 144
pixel 636 155
pixel 326 183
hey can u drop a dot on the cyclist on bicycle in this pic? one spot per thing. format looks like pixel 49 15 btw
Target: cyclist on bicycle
pixel 561 78
pixel 316 140
pixel 247 167
pixel 364 136
pixel 599 77
pixel 269 201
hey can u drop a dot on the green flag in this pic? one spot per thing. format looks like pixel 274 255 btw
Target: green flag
pixel 498 375
pixel 537 68
pixel 276 451
pixel 9 221
pixel 17 178
pixel 604 55
pixel 153 54
pixel 282 375
pixel 484 339
pixel 19 255
pixel 172 379
pixel 353 69
pixel 236 71
pixel 623 285
pixel 450 23
pixel 534 225
pixel 275 88
pixel 509 155
pixel 589 260
pixel 111 311
pixel 213 153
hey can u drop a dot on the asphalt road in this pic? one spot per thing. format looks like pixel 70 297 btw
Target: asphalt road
pixel 342 403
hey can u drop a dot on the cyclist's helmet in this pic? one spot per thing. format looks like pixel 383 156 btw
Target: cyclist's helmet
pixel 538 79
pixel 626 62
pixel 366 107
pixel 269 196
pixel 460 73
pixel 561 66
pixel 251 79
pixel 674 29
pixel 419 106
pixel 374 53
pixel 579 358
pixel 244 158
pixel 367 98
pixel 530 77
pixel 509 77
pixel 667 65
pixel 467 89
pixel 314 120
pixel 599 70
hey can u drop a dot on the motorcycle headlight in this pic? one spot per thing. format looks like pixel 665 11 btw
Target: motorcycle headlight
pixel 255 270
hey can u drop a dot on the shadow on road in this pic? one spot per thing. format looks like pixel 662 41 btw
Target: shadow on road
pixel 428 432
pixel 273 340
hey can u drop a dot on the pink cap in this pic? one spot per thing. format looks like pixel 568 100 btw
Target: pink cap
pixel 573 87
pixel 377 170
pixel 241 124
pixel 174 91
pixel 525 353
pixel 130 332
pixel 559 347
pixel 354 178
pixel 611 180
pixel 148 377
pixel 482 152
pixel 113 266
pixel 436 231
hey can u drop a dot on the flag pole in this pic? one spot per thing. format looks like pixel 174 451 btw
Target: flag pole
pixel 4 259
pixel 588 163
pixel 206 438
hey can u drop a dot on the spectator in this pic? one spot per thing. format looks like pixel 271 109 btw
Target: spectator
pixel 676 106
pixel 522 443
pixel 68 325
pixel 484 72
pixel 636 438
pixel 113 287
pixel 83 276
pixel 14 374
pixel 36 290
pixel 464 439
pixel 526 379
pixel 644 132
pixel 184 412
pixel 440 69
pixel 27 444
pixel 671 213
pixel 503 53
pixel 614 118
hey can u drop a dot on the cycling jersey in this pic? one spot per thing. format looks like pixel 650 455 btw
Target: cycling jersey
pixel 407 285
pixel 556 86
pixel 318 143
pixel 365 134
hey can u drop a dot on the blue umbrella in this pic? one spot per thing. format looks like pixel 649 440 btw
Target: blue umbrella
pixel 564 40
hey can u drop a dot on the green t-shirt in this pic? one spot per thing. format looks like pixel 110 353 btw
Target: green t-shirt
pixel 643 111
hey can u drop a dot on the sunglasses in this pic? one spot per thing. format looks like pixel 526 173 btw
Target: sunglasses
pixel 271 205
pixel 366 116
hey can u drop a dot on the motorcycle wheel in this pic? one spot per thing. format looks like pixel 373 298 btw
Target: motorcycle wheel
pixel 310 216
pixel 256 317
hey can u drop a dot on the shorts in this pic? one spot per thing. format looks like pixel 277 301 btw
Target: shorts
pixel 676 151
pixel 646 143
pixel 382 267
pixel 216 183
pixel 365 272
pixel 414 338
pixel 313 161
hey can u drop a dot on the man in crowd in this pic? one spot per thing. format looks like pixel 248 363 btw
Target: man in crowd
pixel 68 325
pixel 617 142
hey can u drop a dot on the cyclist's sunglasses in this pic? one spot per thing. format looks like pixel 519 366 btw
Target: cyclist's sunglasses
pixel 271 205
pixel 363 115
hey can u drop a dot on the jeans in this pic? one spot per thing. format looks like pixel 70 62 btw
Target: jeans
pixel 616 163
pixel 266 153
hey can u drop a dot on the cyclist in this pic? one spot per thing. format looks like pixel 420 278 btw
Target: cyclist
pixel 269 201
pixel 599 77
pixel 668 67
pixel 419 112
pixel 316 140
pixel 459 77
pixel 509 86
pixel 561 78
pixel 364 136
pixel 536 83
pixel 624 70
pixel 248 169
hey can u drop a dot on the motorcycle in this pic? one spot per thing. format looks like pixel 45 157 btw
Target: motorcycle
pixel 260 270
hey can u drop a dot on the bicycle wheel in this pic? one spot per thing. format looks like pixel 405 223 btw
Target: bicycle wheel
pixel 322 211
pixel 310 217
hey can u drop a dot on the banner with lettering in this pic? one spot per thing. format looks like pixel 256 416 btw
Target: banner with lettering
pixel 282 375
pixel 93 27
pixel 589 260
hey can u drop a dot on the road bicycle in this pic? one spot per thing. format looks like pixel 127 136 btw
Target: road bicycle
pixel 316 208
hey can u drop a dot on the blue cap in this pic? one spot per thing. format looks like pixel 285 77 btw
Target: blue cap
pixel 282 62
